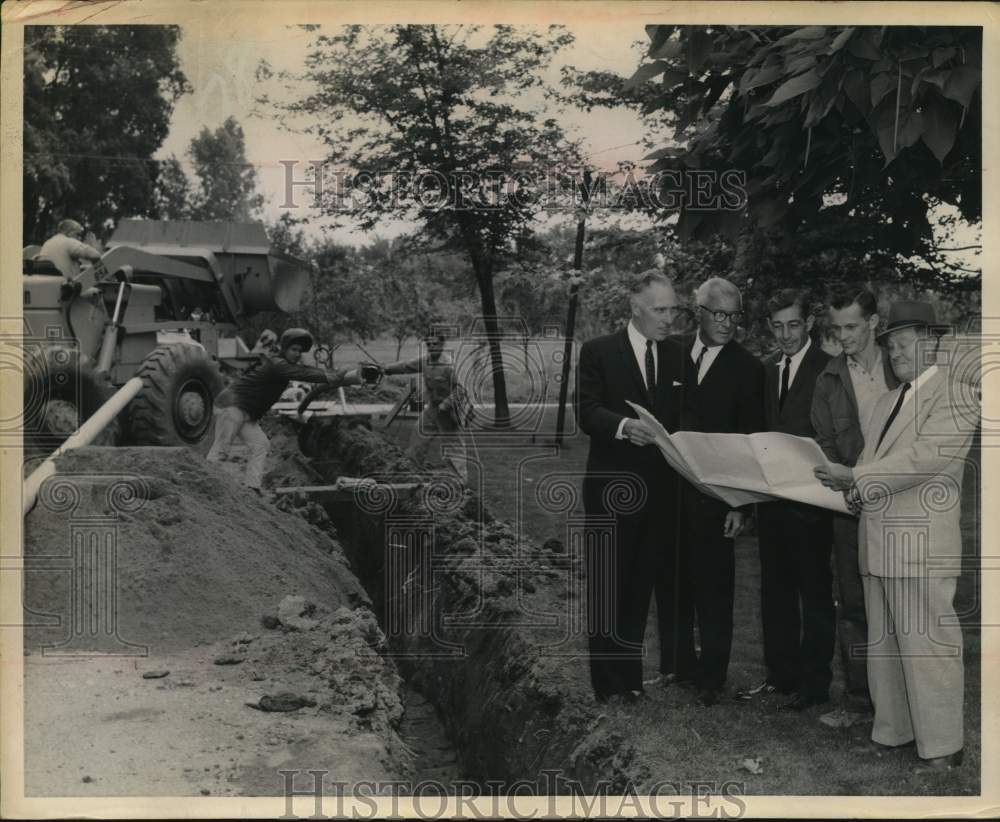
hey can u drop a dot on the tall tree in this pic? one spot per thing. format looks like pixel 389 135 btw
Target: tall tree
pixel 434 123
pixel 851 140
pixel 226 183
pixel 97 106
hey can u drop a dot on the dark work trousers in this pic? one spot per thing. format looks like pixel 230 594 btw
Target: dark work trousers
pixel 796 596
pixel 852 625
pixel 702 590
pixel 623 557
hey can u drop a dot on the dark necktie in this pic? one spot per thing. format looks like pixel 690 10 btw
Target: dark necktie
pixel 650 372
pixel 697 364
pixel 892 415
pixel 783 391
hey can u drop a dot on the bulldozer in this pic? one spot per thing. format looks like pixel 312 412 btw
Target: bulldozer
pixel 164 303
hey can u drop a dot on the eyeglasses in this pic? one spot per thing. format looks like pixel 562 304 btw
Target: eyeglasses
pixel 735 317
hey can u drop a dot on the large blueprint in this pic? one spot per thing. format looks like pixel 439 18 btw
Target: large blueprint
pixel 745 468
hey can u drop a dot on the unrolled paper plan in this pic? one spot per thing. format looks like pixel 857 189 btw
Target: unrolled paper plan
pixel 745 468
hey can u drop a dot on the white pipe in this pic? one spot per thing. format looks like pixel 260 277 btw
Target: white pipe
pixel 84 435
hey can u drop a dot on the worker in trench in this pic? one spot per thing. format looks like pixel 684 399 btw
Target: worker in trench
pixel 241 405
pixel 447 410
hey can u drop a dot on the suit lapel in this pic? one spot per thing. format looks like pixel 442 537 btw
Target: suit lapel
pixel 802 375
pixel 909 415
pixel 771 388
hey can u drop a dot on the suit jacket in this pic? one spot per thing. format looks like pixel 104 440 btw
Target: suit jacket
pixel 730 399
pixel 608 375
pixel 911 484
pixel 794 417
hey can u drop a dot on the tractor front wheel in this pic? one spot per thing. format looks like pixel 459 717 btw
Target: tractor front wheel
pixel 61 391
pixel 175 404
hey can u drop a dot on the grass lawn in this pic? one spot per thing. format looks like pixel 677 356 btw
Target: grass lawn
pixel 680 741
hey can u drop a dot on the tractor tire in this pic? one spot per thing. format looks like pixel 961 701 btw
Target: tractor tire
pixel 175 405
pixel 61 392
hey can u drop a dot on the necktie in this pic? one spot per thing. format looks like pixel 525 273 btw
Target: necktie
pixel 892 415
pixel 650 371
pixel 783 391
pixel 697 363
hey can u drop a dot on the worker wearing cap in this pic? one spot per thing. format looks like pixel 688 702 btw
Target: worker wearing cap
pixel 446 405
pixel 907 488
pixel 65 249
pixel 241 405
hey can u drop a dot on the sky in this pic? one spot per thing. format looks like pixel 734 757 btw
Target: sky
pixel 220 66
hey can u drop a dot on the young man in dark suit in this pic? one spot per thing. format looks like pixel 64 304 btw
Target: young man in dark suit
pixel 795 540
pixel 724 393
pixel 629 491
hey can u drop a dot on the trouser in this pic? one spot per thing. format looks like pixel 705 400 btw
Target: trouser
pixel 915 668
pixel 436 434
pixel 231 424
pixel 852 626
pixel 796 596
pixel 703 588
pixel 623 557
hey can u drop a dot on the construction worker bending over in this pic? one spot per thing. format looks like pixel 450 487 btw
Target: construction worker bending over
pixel 241 405
pixel 65 249
pixel 446 411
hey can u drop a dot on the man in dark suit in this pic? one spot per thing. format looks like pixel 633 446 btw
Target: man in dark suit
pixel 795 539
pixel 629 491
pixel 723 392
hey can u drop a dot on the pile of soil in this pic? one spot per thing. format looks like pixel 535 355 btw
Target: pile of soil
pixel 198 556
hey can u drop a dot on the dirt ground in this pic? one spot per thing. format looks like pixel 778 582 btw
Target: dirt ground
pixel 236 600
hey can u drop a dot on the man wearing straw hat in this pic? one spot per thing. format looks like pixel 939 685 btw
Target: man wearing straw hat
pixel 907 487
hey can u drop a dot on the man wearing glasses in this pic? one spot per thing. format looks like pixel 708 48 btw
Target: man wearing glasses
pixel 66 248
pixel 723 393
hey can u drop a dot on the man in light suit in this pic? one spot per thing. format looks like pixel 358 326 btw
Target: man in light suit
pixel 907 486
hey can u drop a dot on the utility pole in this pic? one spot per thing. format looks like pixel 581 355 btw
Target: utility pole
pixel 581 227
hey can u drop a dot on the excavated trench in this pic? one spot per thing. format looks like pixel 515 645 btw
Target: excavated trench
pixel 472 619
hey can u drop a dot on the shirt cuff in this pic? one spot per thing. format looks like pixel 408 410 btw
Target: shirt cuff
pixel 620 433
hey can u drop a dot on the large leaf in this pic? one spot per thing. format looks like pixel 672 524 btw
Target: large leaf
pixel 962 83
pixel 645 72
pixel 863 48
pixel 804 33
pixel 942 55
pixel 669 50
pixel 910 129
pixel 940 128
pixel 856 89
pixel 699 47
pixel 881 85
pixel 755 78
pixel 841 40
pixel 657 35
pixel 674 77
pixel 794 87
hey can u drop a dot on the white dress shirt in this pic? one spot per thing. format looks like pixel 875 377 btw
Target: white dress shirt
pixel 638 342
pixel 793 368
pixel 711 352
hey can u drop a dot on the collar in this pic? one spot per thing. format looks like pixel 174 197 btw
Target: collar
pixel 637 338
pixel 699 343
pixel 929 372
pixel 798 356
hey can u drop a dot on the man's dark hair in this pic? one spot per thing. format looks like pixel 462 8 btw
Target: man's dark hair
pixel 644 279
pixel 786 298
pixel 864 299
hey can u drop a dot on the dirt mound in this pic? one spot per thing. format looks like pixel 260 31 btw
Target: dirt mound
pixel 196 556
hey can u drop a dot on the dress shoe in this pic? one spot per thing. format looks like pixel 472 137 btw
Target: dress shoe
pixel 940 763
pixel 764 688
pixel 803 701
pixel 707 697
pixel 879 748
pixel 678 680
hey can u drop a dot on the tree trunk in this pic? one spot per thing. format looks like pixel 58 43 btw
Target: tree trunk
pixel 502 412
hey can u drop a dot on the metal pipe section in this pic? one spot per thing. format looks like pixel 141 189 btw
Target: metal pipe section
pixel 84 435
